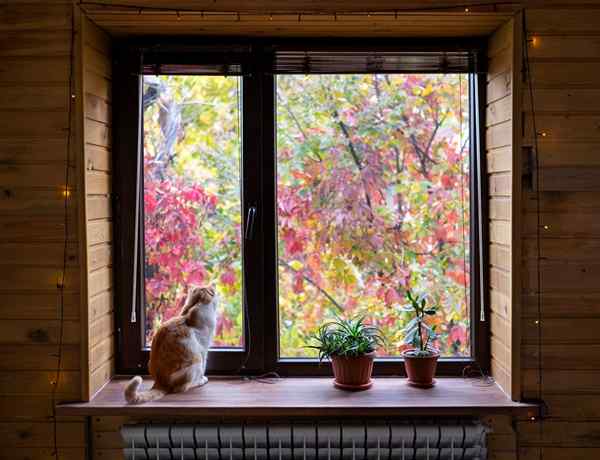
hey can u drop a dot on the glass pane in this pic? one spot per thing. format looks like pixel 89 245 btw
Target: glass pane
pixel 372 199
pixel 192 202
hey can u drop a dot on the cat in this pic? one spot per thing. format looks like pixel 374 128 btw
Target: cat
pixel 180 349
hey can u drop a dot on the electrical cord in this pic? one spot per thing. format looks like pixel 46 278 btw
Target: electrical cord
pixel 60 285
pixel 540 369
pixel 478 377
pixel 236 14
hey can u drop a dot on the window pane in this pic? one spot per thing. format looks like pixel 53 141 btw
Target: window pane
pixel 372 199
pixel 192 203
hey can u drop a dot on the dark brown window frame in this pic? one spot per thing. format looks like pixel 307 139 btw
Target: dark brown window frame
pixel 258 189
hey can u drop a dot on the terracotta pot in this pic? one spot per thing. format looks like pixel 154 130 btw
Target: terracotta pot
pixel 353 373
pixel 420 370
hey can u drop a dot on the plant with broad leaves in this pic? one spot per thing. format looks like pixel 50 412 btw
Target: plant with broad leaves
pixel 417 333
pixel 346 337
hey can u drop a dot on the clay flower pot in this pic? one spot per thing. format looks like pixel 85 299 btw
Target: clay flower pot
pixel 353 373
pixel 420 369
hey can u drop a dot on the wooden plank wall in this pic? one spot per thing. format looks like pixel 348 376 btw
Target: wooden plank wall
pixel 35 51
pixel 499 153
pixel 97 71
pixel 34 73
pixel 564 50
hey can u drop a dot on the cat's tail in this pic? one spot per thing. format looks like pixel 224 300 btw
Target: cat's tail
pixel 133 395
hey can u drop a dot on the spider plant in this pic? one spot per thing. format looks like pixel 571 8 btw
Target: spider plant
pixel 417 332
pixel 347 338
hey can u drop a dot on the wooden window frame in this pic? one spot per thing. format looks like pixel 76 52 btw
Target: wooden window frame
pixel 258 188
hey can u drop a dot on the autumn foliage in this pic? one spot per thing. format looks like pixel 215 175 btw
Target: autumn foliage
pixel 372 199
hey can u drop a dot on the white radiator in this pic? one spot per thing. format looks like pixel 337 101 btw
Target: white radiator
pixel 417 439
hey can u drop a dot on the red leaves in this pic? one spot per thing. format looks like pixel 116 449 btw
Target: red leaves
pixel 392 297
pixel 228 277
pixel 174 210
pixel 381 211
pixel 298 285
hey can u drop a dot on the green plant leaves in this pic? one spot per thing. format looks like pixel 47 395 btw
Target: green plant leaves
pixel 346 337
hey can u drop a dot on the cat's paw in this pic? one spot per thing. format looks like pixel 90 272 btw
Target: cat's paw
pixel 203 380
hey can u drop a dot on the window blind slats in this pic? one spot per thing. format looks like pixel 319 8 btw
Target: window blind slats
pixel 191 69
pixel 327 62
pixel 232 60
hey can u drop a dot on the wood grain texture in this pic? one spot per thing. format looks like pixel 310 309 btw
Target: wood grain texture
pixel 563 52
pixel 306 396
pixel 97 139
pixel 34 72
pixel 502 122
pixel 36 98
pixel 128 21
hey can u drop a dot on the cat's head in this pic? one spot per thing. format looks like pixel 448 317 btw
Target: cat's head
pixel 201 295
pixel 201 304
pixel 205 296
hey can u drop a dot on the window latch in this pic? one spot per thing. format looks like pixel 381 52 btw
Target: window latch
pixel 249 232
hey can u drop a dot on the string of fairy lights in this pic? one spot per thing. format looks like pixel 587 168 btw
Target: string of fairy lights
pixel 61 281
pixel 238 16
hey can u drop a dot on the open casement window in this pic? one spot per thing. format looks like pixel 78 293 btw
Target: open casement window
pixel 305 182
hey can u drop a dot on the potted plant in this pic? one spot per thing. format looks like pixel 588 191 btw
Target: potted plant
pixel 420 361
pixel 350 344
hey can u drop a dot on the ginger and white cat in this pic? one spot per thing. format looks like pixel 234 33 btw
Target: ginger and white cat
pixel 180 349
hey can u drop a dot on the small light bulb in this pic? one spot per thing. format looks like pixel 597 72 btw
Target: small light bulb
pixel 467 10
pixel 65 192
pixel 537 321
pixel 546 227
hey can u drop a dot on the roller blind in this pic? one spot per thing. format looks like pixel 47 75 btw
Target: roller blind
pixel 204 59
pixel 310 58
pixel 333 61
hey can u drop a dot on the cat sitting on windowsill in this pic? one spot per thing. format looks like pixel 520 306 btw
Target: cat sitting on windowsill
pixel 180 349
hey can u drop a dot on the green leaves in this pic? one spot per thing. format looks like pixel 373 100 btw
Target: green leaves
pixel 346 337
pixel 417 332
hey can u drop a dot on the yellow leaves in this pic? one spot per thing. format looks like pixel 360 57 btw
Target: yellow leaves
pixel 296 265
pixel 427 91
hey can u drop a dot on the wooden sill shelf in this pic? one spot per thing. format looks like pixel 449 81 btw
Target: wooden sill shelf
pixel 234 397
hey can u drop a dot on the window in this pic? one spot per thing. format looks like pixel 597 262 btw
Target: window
pixel 304 183
pixel 192 198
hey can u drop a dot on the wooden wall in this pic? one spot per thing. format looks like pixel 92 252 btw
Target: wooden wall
pixel 564 48
pixel 34 74
pixel 35 49
pixel 96 76
pixel 503 96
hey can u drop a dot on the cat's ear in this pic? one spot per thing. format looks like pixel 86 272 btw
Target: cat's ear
pixel 211 290
pixel 191 300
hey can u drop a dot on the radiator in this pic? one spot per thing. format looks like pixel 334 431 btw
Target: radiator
pixel 370 440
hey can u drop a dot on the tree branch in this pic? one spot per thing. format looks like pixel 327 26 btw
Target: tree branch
pixel 314 283
pixel 292 115
pixel 354 154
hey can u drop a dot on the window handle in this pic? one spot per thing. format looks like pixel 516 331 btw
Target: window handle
pixel 249 233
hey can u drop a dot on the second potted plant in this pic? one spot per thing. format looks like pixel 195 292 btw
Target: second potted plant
pixel 350 344
pixel 420 361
